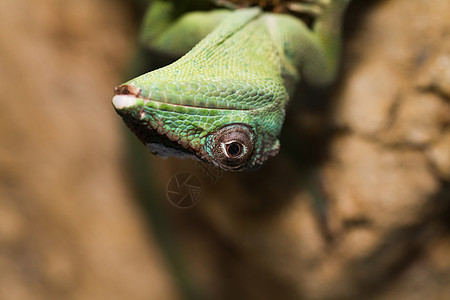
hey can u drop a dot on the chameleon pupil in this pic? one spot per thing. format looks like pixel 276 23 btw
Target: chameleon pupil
pixel 234 149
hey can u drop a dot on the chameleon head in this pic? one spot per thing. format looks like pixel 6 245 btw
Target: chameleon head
pixel 229 138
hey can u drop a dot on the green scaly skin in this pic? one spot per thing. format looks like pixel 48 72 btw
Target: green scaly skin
pixel 224 101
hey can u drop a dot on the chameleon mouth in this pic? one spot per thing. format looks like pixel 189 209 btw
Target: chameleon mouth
pixel 128 95
pixel 127 101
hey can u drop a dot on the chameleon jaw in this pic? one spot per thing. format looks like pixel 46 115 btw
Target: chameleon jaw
pixel 158 140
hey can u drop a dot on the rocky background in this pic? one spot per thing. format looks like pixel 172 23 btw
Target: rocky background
pixel 356 206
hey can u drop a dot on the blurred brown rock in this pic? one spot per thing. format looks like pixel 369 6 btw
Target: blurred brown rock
pixel 68 229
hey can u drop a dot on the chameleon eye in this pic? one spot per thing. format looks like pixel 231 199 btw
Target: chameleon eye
pixel 232 146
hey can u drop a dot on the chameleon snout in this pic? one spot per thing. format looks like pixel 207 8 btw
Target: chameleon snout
pixel 127 89
pixel 125 96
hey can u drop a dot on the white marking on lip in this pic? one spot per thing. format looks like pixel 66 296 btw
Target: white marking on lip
pixel 122 101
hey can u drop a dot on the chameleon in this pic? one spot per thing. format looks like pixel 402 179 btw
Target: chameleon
pixel 224 100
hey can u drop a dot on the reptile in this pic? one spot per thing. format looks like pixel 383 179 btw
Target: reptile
pixel 224 100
